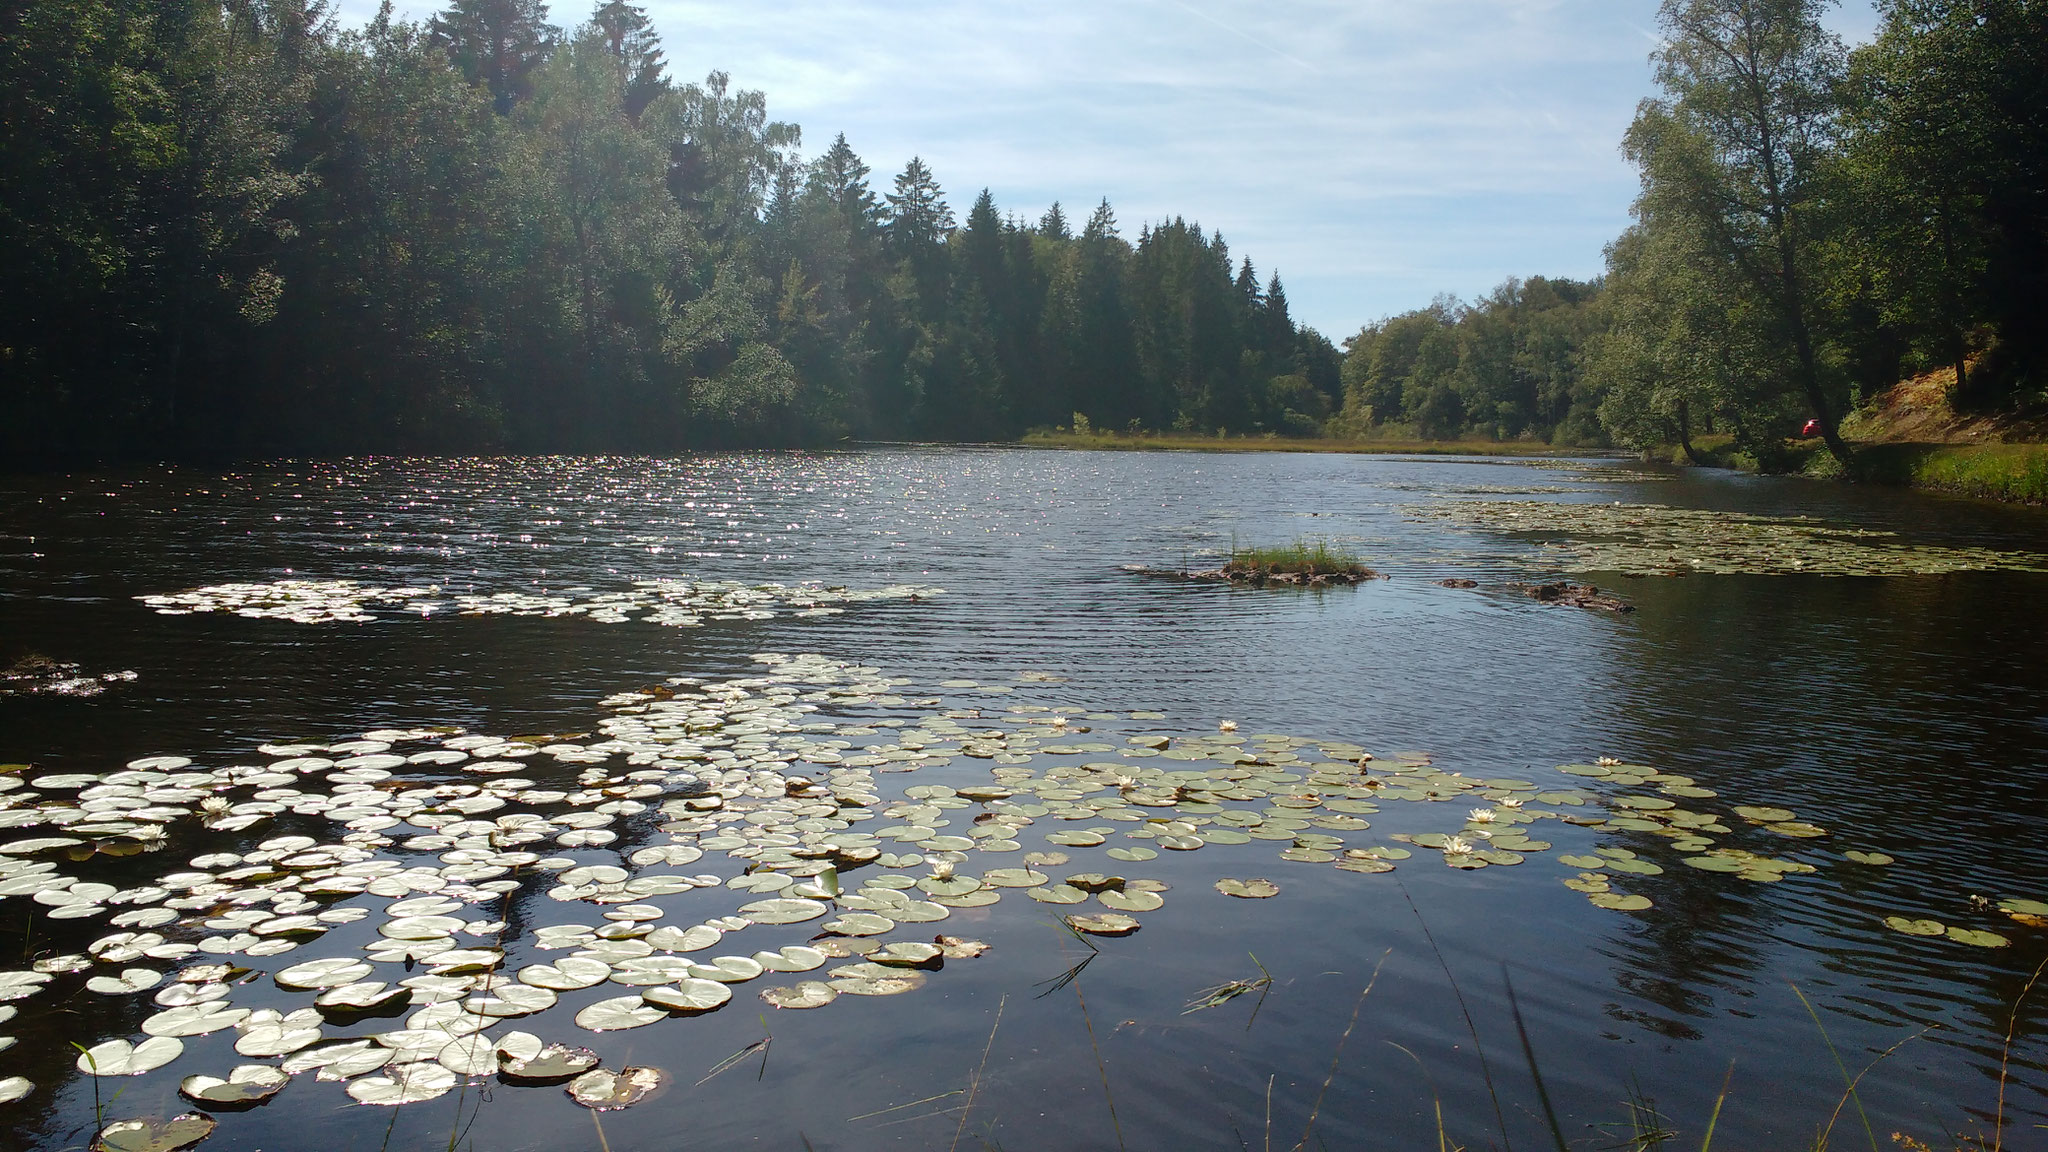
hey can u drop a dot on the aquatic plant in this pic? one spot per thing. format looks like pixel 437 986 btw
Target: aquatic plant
pixel 768 799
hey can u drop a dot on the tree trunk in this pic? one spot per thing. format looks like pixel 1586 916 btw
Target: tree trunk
pixel 1685 433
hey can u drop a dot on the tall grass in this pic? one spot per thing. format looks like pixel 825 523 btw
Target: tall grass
pixel 1301 558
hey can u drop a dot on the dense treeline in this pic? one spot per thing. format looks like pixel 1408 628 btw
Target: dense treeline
pixel 237 228
pixel 1814 224
pixel 232 227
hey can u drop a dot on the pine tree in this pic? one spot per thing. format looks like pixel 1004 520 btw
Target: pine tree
pixel 918 214
pixel 635 50
pixel 1053 225
pixel 496 43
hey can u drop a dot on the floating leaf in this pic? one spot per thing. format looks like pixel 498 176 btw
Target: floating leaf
pixel 1915 927
pixel 1258 889
pixel 567 974
pixel 604 1090
pixel 549 1065
pixel 957 948
pixel 1977 937
pixel 14 1088
pixel 130 980
pixel 120 1058
pixel 404 1084
pixel 1106 924
pixel 1620 902
pixel 795 958
pixel 859 924
pixel 1057 894
pixel 908 954
pixel 1131 901
pixel 331 972
pixel 181 1131
pixel 246 1086
pixel 807 994
pixel 618 1013
pixel 690 996
pixel 1875 859
pixel 694 938
pixel 361 999
pixel 894 984
pixel 473 1055
pixel 783 911
pixel 21 985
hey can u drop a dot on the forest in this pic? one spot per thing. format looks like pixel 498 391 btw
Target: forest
pixel 237 229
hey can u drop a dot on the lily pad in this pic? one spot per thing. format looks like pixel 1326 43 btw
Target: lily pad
pixel 566 974
pixel 120 1058
pixel 246 1086
pixel 859 924
pixel 1257 889
pixel 1137 901
pixel 330 972
pixel 130 980
pixel 1105 924
pixel 617 1013
pixel 1619 901
pixel 806 994
pixel 784 911
pixel 1977 937
pixel 1915 927
pixel 404 1084
pixel 181 1131
pixel 690 996
pixel 603 1090
pixel 550 1065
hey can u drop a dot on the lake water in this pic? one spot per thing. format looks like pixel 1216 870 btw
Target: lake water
pixel 1903 714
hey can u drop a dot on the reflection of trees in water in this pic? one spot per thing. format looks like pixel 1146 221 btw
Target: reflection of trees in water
pixel 1698 940
pixel 1896 713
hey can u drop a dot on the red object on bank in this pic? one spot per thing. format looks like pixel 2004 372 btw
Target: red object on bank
pixel 1812 428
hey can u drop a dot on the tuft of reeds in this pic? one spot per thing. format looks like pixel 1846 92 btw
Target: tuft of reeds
pixel 1300 559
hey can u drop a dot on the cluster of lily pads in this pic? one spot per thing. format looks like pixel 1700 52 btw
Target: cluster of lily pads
pixel 764 790
pixel 1653 540
pixel 677 603
pixel 36 674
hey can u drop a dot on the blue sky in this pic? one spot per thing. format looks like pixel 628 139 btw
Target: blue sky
pixel 1377 152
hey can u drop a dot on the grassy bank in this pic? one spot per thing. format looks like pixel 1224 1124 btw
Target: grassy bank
pixel 2011 472
pixel 1184 442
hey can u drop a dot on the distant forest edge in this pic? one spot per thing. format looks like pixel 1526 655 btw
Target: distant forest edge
pixel 240 229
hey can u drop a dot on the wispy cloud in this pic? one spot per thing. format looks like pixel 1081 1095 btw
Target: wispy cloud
pixel 1377 152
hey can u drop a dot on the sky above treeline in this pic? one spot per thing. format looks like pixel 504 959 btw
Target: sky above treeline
pixel 1377 153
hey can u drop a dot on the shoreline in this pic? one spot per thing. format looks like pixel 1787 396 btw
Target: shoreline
pixel 1150 442
pixel 2005 472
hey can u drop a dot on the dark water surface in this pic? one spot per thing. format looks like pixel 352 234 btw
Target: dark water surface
pixel 1901 713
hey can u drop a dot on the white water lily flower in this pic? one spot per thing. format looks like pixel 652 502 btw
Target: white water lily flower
pixel 1511 802
pixel 1481 815
pixel 1457 845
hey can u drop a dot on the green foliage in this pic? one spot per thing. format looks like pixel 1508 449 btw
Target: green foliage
pixel 1510 365
pixel 1815 223
pixel 243 230
pixel 1301 558
pixel 234 230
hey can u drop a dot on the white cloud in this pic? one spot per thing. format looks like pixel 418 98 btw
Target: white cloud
pixel 1377 152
